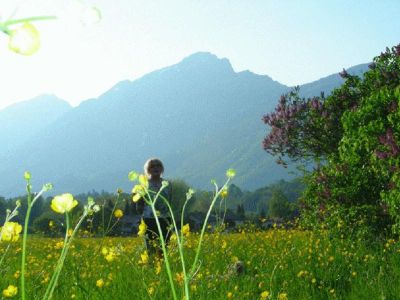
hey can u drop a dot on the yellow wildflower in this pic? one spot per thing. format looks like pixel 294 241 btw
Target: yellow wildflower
pixel 173 237
pixel 59 245
pixel 229 295
pixel 24 40
pixel 142 228
pixel 144 181
pixel 118 213
pixel 10 232
pixel 264 295
pixel 179 277
pixel 150 291
pixel 17 274
pixel 230 173
pixel 186 230
pixel 144 258
pixel 138 192
pixel 282 296
pixel 100 283
pixel 158 268
pixel 110 257
pixel 27 175
pixel 51 223
pixel 10 291
pixel 224 193
pixel 224 244
pixel 63 203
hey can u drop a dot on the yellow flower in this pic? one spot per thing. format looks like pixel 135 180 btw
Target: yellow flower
pixel 63 203
pixel 179 277
pixel 10 291
pixel 224 244
pixel 144 258
pixel 59 245
pixel 118 213
pixel 132 176
pixel 224 193
pixel 229 295
pixel 144 181
pixel 27 175
pixel 282 296
pixel 142 228
pixel 17 274
pixel 264 295
pixel 138 192
pixel 186 230
pixel 10 232
pixel 100 283
pixel 24 40
pixel 150 290
pixel 51 223
pixel 158 268
pixel 110 257
pixel 230 173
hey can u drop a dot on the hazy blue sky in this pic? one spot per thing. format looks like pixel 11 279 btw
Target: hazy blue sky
pixel 294 42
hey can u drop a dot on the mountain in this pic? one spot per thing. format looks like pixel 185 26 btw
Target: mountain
pixel 22 121
pixel 199 116
pixel 327 84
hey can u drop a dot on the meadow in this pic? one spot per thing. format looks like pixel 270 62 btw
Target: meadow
pixel 273 264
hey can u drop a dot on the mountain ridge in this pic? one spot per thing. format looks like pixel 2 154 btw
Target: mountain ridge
pixel 199 116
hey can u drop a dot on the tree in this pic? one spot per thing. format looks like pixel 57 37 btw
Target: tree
pixel 279 205
pixel 359 123
pixel 240 211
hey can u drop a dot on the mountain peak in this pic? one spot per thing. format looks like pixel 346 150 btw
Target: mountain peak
pixel 40 100
pixel 201 56
pixel 206 60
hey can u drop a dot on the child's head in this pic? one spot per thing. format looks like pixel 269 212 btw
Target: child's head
pixel 153 166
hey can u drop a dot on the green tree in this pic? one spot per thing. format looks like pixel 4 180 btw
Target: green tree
pixel 358 182
pixel 279 205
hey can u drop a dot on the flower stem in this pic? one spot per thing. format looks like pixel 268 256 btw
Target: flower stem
pixel 30 19
pixel 53 277
pixel 28 212
pixel 164 249
pixel 179 240
pixel 205 225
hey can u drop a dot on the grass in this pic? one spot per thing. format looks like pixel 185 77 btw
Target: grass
pixel 300 264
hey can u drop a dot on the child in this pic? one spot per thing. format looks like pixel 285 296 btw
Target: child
pixel 153 169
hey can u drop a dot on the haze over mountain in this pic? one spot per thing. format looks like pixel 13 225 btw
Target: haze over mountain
pixel 22 121
pixel 199 116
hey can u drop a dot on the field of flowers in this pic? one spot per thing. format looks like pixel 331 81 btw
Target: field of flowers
pixel 274 264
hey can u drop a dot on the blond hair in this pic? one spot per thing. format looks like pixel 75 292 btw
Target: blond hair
pixel 150 162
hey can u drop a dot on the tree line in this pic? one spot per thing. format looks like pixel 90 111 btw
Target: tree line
pixel 277 202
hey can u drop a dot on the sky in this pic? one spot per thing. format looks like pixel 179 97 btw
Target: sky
pixel 292 41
